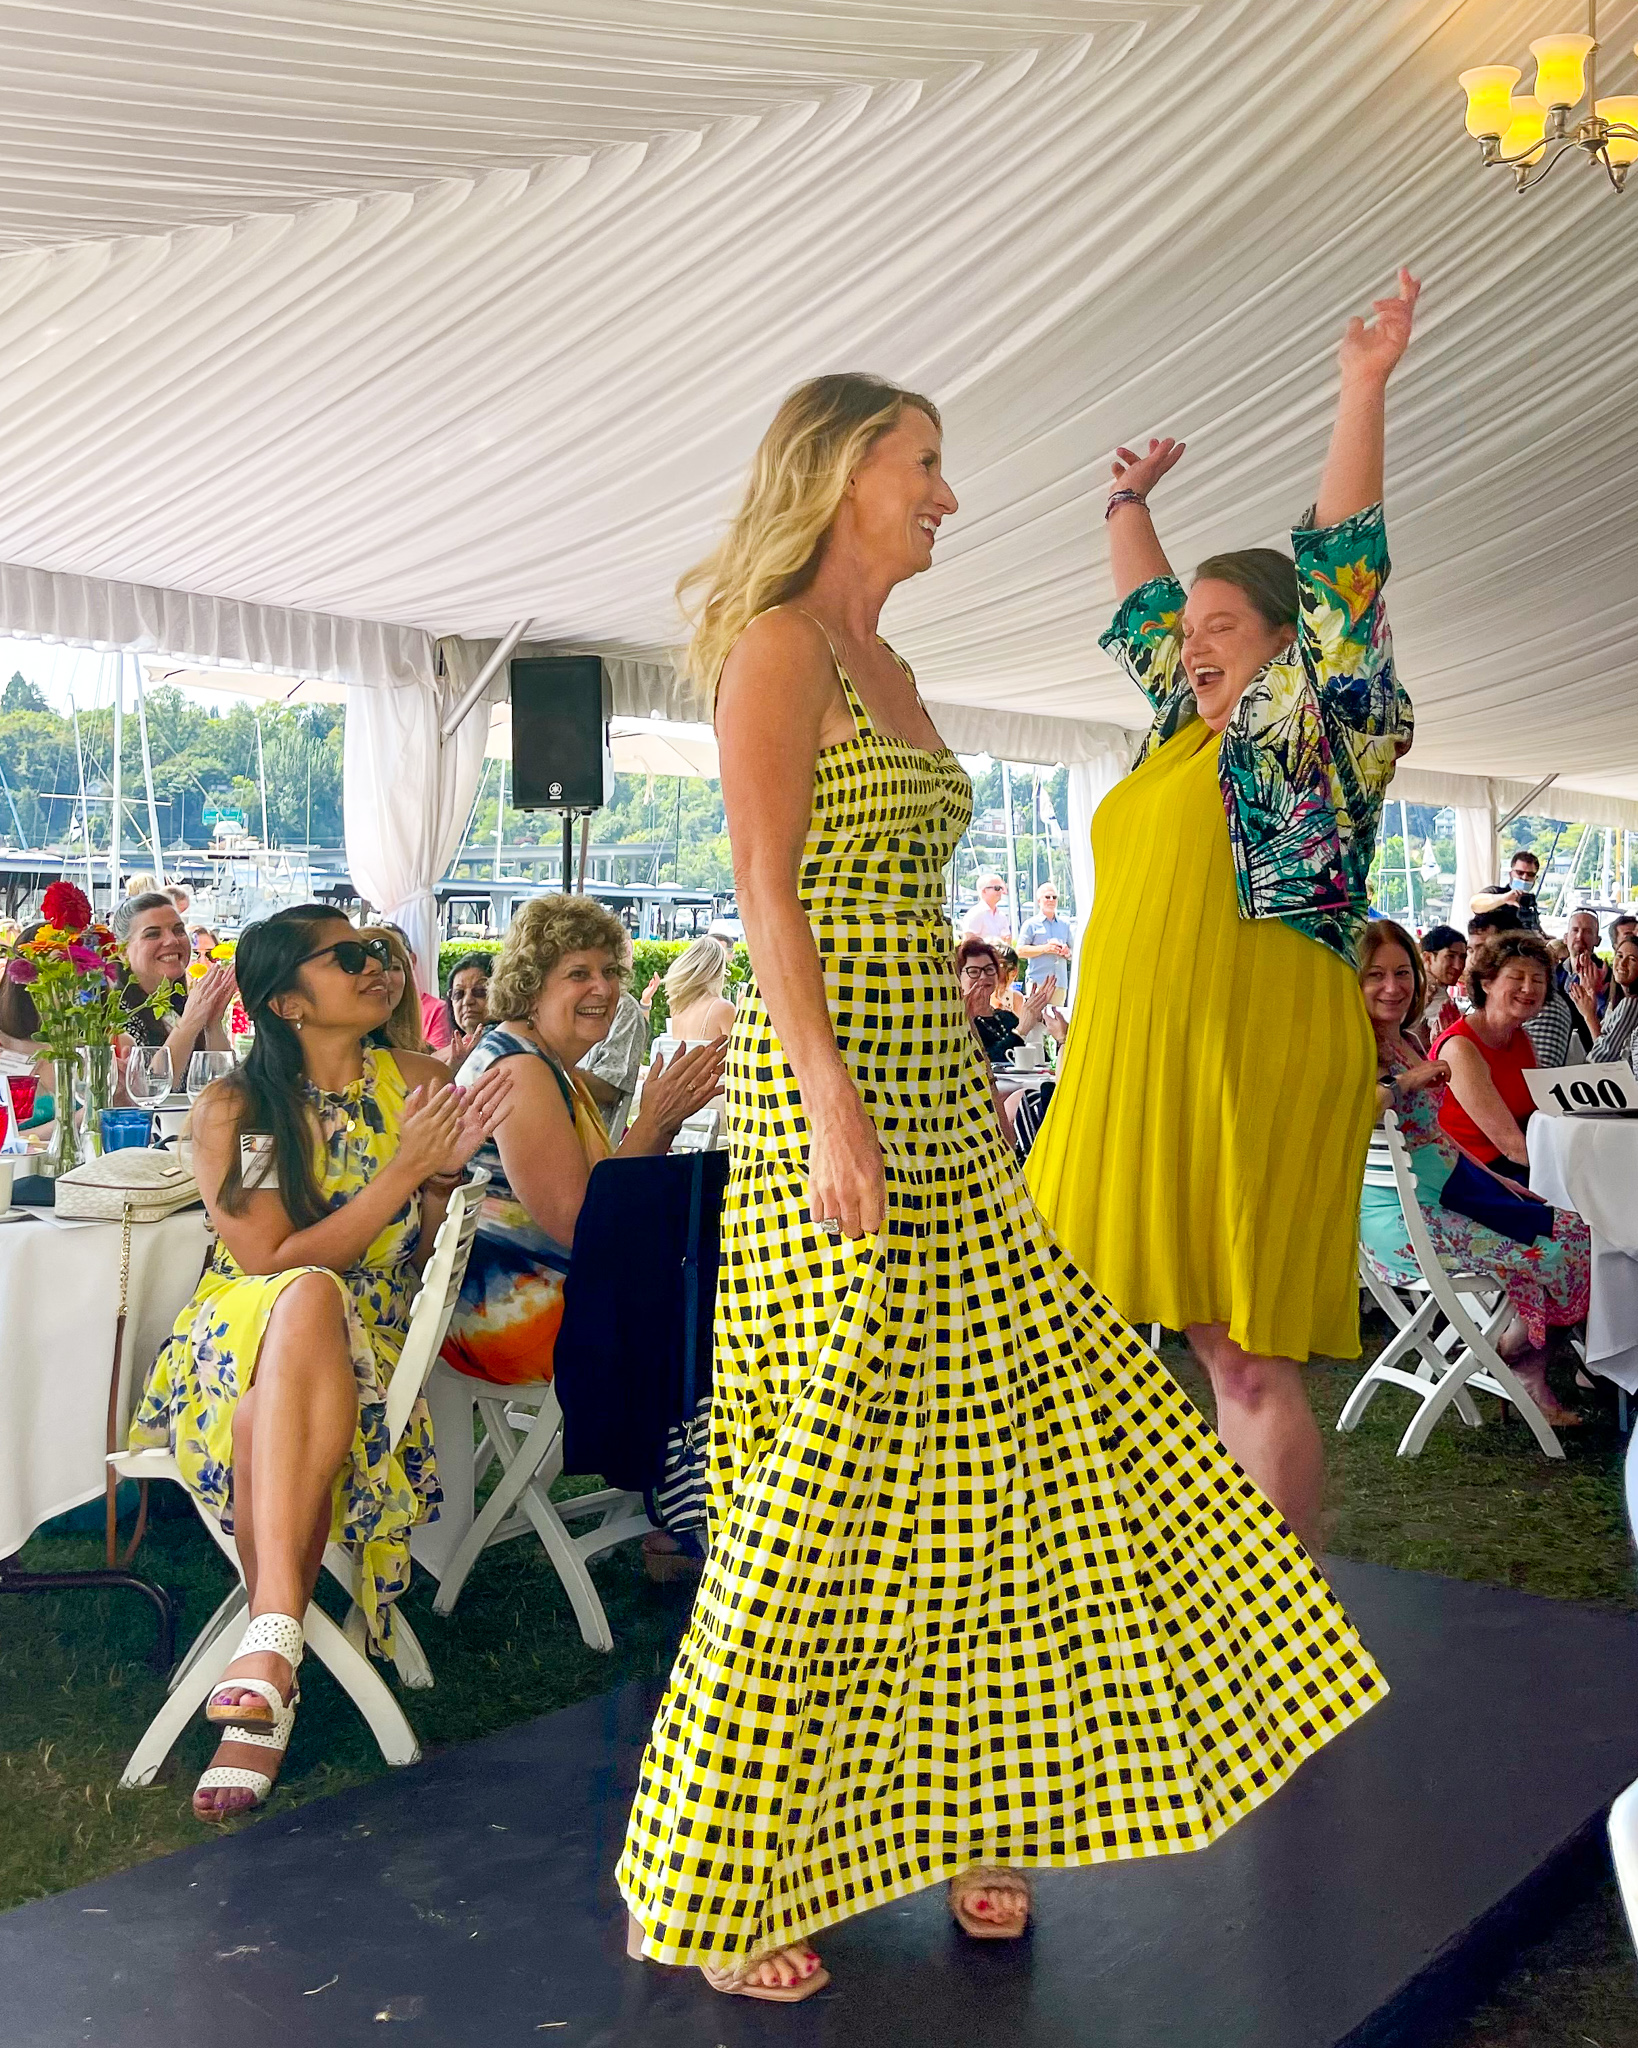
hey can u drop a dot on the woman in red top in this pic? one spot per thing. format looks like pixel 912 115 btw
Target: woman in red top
pixel 1488 1101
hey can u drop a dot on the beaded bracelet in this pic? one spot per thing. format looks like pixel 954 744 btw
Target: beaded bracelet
pixel 1124 498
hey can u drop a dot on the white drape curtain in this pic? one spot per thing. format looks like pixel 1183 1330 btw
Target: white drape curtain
pixel 1089 782
pixel 1475 859
pixel 406 796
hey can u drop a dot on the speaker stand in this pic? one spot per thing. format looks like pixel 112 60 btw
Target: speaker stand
pixel 568 850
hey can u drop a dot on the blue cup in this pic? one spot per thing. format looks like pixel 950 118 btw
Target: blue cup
pixel 123 1128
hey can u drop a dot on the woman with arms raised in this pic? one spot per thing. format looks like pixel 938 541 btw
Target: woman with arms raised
pixel 271 1391
pixel 1203 1161
pixel 930 1434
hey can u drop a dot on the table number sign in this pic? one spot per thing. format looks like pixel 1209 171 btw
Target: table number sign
pixel 1584 1091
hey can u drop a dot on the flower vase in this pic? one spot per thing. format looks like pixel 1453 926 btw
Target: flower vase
pixel 66 1149
pixel 97 1068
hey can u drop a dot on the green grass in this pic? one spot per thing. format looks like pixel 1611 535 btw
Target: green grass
pixel 75 1692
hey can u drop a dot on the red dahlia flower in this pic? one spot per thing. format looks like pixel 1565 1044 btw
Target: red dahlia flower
pixel 66 907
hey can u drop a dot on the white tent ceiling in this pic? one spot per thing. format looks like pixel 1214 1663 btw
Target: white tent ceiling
pixel 444 315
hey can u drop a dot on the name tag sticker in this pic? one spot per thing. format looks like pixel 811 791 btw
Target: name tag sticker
pixel 1584 1091
pixel 258 1168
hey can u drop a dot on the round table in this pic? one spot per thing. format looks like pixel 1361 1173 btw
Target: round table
pixel 1590 1164
pixel 59 1298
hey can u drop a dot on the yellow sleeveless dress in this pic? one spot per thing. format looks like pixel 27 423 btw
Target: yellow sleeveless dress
pixel 983 1587
pixel 1202 1155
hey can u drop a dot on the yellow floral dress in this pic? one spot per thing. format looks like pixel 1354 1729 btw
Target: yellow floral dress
pixel 210 1357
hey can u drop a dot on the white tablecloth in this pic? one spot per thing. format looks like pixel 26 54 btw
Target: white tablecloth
pixel 59 1294
pixel 1590 1164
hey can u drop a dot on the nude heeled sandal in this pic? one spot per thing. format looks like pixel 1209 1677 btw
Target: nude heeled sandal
pixel 985 1877
pixel 735 1983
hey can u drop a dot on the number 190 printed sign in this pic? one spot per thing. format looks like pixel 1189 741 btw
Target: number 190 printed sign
pixel 1584 1091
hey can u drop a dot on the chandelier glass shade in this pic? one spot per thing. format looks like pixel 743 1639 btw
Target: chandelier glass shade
pixel 1528 133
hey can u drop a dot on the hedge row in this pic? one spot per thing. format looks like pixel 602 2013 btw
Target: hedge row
pixel 649 960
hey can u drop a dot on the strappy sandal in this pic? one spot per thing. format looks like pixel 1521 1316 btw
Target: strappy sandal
pixel 984 1877
pixel 234 1777
pixel 275 1635
pixel 737 1983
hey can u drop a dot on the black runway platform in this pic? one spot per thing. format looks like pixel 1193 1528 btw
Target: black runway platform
pixel 468 1902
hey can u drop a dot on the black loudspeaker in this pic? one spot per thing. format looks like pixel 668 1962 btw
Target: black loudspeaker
pixel 560 717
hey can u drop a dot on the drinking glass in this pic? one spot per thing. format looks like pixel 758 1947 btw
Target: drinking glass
pixel 206 1067
pixel 148 1073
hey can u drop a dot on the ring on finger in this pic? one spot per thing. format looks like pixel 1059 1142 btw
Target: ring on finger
pixel 831 1226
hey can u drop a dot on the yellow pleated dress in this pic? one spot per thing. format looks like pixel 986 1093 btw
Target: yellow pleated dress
pixel 983 1586
pixel 1202 1156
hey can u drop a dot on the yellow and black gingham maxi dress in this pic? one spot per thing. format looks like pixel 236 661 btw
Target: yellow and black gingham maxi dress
pixel 983 1586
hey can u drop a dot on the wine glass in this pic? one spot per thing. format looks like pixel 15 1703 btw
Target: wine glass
pixel 148 1073
pixel 206 1067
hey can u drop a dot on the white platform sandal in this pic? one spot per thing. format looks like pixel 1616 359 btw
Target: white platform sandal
pixel 276 1635
pixel 257 1728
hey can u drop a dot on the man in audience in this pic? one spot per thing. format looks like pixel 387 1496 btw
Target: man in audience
pixel 1583 966
pixel 1044 943
pixel 1444 956
pixel 1518 892
pixel 988 919
pixel 1623 927
pixel 1558 1032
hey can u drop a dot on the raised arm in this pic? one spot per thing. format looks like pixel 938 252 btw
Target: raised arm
pixel 777 704
pixel 1135 554
pixel 1352 479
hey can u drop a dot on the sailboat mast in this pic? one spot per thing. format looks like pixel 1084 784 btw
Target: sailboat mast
pixel 156 844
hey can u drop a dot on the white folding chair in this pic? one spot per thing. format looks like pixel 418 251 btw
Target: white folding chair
pixel 340 1649
pixel 523 1429
pixel 1460 1357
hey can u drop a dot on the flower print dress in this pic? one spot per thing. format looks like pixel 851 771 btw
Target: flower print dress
pixel 210 1357
pixel 1546 1281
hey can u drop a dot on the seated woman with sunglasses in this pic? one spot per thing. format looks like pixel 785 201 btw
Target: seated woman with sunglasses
pixel 271 1390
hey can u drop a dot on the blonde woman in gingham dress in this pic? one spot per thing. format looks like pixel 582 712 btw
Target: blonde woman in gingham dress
pixel 984 1593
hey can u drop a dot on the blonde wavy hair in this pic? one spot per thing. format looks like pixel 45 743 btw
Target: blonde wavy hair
pixel 698 970
pixel 402 1030
pixel 545 931
pixel 818 438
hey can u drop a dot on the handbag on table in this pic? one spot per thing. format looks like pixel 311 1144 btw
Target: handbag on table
pixel 125 1188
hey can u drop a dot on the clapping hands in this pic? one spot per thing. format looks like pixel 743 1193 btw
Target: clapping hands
pixel 444 1127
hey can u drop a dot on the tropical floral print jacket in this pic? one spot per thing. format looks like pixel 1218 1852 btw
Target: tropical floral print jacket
pixel 1307 757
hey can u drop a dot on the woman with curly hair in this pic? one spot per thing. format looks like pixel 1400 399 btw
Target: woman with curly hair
pixel 552 997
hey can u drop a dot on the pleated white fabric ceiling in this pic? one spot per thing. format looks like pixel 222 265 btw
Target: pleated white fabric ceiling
pixel 446 315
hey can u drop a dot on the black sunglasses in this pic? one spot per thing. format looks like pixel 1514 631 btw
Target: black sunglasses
pixel 351 955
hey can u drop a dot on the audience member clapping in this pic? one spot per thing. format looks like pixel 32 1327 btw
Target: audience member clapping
pixel 553 994
pixel 1479 1223
pixel 1618 1029
pixel 326 1164
pixel 1444 963
pixel 467 1006
pixel 1488 1102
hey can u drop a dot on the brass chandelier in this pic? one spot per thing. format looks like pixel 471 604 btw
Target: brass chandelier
pixel 1529 133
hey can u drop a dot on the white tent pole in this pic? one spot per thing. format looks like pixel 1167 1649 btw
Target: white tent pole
pixel 261 778
pixel 85 809
pixel 119 797
pixel 500 817
pixel 155 843
pixel 1012 853
pixel 480 682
